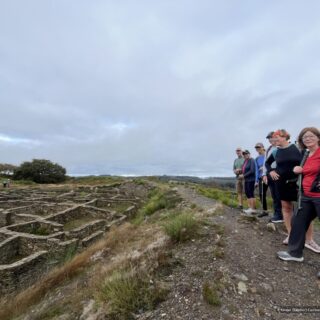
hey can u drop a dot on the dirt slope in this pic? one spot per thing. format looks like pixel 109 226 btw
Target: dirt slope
pixel 254 284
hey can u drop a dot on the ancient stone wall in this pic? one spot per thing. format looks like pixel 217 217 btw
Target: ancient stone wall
pixel 40 228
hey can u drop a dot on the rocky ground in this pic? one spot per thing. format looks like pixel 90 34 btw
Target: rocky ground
pixel 253 283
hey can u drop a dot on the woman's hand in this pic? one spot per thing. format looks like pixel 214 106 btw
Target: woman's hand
pixel 265 179
pixel 241 176
pixel 297 169
pixel 274 175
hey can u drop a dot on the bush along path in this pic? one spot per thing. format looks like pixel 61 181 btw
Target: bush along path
pixel 229 270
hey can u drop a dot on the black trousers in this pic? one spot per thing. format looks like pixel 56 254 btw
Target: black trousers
pixel 300 224
pixel 275 197
pixel 263 194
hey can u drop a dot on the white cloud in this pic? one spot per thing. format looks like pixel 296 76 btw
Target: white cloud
pixel 153 87
pixel 20 142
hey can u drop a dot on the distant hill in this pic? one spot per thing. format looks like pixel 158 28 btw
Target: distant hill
pixel 224 182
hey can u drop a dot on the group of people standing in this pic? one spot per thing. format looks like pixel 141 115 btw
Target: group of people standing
pixel 279 168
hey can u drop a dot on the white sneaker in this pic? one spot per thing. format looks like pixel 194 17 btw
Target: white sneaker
pixel 313 246
pixel 286 256
pixel 249 211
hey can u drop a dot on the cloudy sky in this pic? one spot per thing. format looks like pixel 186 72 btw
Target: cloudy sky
pixel 154 87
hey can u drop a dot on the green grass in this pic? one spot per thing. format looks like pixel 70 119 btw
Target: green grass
pixel 157 200
pixel 39 231
pixel 316 224
pixel 129 292
pixel 218 228
pixel 210 294
pixel 93 180
pixel 76 223
pixel 70 253
pixel 228 197
pixel 218 253
pixel 51 313
pixel 180 227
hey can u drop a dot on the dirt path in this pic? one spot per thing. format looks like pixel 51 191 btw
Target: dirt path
pixel 253 283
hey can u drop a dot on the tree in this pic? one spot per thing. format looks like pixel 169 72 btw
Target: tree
pixel 40 171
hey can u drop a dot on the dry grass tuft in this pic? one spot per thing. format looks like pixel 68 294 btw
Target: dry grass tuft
pixel 210 294
pixel 129 291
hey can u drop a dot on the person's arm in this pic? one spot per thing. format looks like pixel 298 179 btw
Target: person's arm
pixel 269 162
pixel 234 167
pixel 256 169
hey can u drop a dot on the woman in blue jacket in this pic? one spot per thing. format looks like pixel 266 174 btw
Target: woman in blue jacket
pixel 249 173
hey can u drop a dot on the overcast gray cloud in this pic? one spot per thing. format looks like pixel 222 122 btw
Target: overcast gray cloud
pixel 153 87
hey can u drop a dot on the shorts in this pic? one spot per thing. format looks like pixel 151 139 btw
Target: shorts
pixel 288 190
pixel 239 185
pixel 249 189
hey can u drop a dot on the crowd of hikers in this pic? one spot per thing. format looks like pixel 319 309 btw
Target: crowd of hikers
pixel 291 171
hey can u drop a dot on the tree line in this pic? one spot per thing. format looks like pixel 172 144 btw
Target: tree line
pixel 37 170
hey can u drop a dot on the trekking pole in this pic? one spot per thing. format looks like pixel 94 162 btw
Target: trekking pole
pixel 299 182
pixel 262 194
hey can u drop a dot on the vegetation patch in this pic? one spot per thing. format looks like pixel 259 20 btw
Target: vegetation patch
pixel 50 313
pixel 76 223
pixel 128 292
pixel 39 231
pixel 228 198
pixel 181 227
pixel 317 224
pixel 218 228
pixel 96 180
pixel 210 294
pixel 247 219
pixel 158 200
pixel 218 253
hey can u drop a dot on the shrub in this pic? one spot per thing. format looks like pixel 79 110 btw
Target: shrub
pixel 181 227
pixel 128 292
pixel 40 171
pixel 218 253
pixel 210 294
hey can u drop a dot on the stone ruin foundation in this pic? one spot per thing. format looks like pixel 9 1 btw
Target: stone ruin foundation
pixel 41 227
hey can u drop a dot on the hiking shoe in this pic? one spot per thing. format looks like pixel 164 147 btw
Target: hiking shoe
pixel 276 219
pixel 286 256
pixel 313 246
pixel 263 214
pixel 249 211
